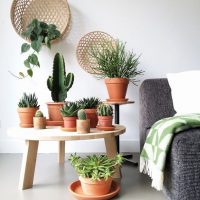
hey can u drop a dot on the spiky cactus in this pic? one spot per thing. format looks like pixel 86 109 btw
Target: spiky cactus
pixel 82 114
pixel 104 110
pixel 39 114
pixel 59 83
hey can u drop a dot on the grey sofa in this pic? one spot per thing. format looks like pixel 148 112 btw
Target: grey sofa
pixel 182 172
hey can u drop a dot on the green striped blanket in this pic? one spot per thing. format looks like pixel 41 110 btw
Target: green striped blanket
pixel 154 152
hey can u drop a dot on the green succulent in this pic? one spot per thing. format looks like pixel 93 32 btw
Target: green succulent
pixel 94 166
pixel 90 102
pixel 104 110
pixel 39 114
pixel 82 114
pixel 28 100
pixel 70 109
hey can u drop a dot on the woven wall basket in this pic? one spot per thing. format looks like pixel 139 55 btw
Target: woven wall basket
pixel 91 40
pixel 50 11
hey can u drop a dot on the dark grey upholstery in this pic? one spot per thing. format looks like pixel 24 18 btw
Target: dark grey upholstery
pixel 182 172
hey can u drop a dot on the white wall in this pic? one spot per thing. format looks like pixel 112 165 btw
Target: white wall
pixel 165 32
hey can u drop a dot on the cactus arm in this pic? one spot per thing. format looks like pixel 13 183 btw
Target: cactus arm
pixel 69 80
pixel 49 83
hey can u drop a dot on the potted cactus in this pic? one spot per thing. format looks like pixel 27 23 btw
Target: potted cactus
pixel 59 84
pixel 105 116
pixel 69 112
pixel 39 121
pixel 90 106
pixel 27 107
pixel 82 123
pixel 95 172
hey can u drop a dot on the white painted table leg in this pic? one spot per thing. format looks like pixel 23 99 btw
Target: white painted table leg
pixel 28 164
pixel 111 150
pixel 61 152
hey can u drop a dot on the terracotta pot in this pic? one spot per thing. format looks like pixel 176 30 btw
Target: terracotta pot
pixel 95 188
pixel 117 88
pixel 26 116
pixel 70 123
pixel 54 111
pixel 39 122
pixel 83 126
pixel 105 121
pixel 92 115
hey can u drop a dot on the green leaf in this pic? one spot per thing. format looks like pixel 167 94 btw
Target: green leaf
pixel 27 63
pixel 36 45
pixel 30 72
pixel 33 59
pixel 25 47
pixel 21 74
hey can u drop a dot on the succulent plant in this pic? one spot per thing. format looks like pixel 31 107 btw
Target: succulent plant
pixel 82 114
pixel 59 83
pixel 28 100
pixel 39 114
pixel 70 109
pixel 104 110
pixel 90 102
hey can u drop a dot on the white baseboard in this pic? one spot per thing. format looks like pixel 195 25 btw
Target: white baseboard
pixel 84 146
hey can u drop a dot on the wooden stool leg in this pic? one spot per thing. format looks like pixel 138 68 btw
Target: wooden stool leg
pixel 28 164
pixel 61 152
pixel 111 150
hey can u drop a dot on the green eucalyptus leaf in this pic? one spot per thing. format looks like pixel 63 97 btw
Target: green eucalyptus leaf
pixel 30 72
pixel 25 47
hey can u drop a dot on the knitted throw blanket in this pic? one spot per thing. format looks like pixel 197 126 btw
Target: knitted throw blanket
pixel 154 152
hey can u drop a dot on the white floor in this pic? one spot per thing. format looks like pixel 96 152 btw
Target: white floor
pixel 51 180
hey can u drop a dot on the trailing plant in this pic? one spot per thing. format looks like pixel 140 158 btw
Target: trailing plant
pixel 94 166
pixel 59 83
pixel 39 114
pixel 28 101
pixel 104 110
pixel 70 109
pixel 38 33
pixel 114 61
pixel 82 114
pixel 90 102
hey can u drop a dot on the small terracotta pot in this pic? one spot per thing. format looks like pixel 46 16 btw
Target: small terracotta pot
pixel 39 122
pixel 54 111
pixel 105 121
pixel 92 115
pixel 117 88
pixel 95 188
pixel 70 123
pixel 83 126
pixel 26 116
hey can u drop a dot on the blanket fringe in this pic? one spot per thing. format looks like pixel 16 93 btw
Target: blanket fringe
pixel 157 176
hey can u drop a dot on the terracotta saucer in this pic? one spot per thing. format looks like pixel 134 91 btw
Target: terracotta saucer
pixel 68 129
pixel 117 100
pixel 54 123
pixel 105 128
pixel 76 190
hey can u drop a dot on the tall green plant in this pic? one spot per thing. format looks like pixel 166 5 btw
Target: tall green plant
pixel 59 83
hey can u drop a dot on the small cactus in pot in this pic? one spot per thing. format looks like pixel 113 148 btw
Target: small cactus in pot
pixel 82 123
pixel 39 121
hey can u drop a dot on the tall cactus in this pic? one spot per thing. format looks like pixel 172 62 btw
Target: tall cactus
pixel 59 83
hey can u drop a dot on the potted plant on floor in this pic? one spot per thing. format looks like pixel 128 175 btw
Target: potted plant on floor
pixel 82 123
pixel 27 107
pixel 90 106
pixel 95 172
pixel 69 112
pixel 59 84
pixel 39 121
pixel 105 116
pixel 117 66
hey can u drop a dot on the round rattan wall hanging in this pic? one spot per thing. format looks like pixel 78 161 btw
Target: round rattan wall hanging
pixel 91 40
pixel 50 11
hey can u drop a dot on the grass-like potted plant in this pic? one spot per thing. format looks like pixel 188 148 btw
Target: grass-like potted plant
pixel 90 106
pixel 69 112
pixel 39 121
pixel 105 116
pixel 117 66
pixel 82 123
pixel 95 172
pixel 27 107
pixel 59 84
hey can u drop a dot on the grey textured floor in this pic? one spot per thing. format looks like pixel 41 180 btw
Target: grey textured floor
pixel 51 180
